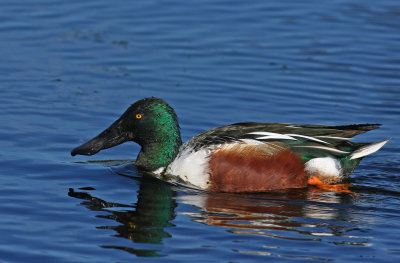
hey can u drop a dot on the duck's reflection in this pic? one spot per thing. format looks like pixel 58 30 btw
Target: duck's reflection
pixel 143 222
pixel 258 213
pixel 299 211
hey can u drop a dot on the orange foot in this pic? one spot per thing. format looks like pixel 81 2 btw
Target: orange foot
pixel 341 188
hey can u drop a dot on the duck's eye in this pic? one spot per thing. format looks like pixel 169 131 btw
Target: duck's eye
pixel 139 116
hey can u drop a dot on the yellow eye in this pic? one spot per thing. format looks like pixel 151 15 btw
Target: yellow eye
pixel 139 116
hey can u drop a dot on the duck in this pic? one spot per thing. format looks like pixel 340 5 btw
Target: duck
pixel 242 157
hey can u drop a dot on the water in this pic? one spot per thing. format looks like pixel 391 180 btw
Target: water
pixel 70 68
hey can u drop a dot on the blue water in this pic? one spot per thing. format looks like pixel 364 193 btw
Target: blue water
pixel 70 68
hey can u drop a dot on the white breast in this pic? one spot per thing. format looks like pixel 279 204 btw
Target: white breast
pixel 192 167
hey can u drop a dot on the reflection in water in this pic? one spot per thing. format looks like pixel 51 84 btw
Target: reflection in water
pixel 245 212
pixel 303 215
pixel 288 211
pixel 144 222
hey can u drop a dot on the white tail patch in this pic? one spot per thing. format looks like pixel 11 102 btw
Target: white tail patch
pixel 327 169
pixel 368 149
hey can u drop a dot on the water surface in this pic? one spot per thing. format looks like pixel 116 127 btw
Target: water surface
pixel 70 68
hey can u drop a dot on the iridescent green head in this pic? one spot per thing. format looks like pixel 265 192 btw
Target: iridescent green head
pixel 151 123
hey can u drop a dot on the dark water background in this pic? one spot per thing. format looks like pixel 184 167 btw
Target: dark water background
pixel 70 68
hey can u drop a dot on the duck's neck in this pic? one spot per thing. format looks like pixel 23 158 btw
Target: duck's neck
pixel 160 150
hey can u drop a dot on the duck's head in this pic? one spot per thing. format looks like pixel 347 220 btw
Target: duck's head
pixel 151 123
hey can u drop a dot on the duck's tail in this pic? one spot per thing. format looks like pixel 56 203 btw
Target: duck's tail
pixel 350 162
pixel 367 149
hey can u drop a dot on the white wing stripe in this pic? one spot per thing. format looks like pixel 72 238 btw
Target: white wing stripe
pixel 335 138
pixel 251 142
pixel 264 133
pixel 307 137
pixel 272 135
pixel 322 148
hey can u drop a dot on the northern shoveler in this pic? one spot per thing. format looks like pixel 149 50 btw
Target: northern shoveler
pixel 241 157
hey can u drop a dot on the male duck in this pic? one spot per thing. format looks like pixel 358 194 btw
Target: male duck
pixel 241 157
